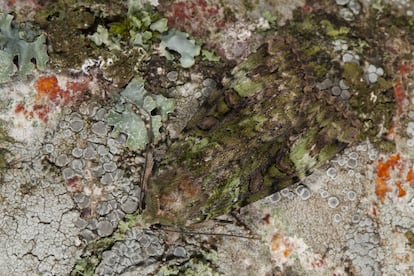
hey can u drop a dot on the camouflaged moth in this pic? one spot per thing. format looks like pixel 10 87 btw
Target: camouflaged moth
pixel 271 125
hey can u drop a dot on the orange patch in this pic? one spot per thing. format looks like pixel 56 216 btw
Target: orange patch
pixel 404 68
pixel 50 94
pixel 401 191
pixel 281 245
pixel 277 242
pixel 391 132
pixel 392 172
pixel 383 175
pixel 47 87
pixel 382 170
pixel 287 252
pixel 381 189
pixel 400 95
pixel 374 210
pixel 410 175
pixel 19 108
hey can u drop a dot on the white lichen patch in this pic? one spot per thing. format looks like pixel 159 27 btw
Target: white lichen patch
pixel 343 218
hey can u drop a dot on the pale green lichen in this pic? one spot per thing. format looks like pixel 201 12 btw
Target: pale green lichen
pixel 140 27
pixel 101 37
pixel 125 120
pixel 22 43
pixel 209 55
pixel 179 42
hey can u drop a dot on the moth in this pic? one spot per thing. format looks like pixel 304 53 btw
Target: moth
pixel 271 125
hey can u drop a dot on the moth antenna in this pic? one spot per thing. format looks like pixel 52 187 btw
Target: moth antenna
pixel 149 153
pixel 187 232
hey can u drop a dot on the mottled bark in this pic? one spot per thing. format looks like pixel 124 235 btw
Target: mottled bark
pixel 269 127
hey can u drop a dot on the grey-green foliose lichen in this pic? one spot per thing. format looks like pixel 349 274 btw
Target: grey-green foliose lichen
pixel 22 43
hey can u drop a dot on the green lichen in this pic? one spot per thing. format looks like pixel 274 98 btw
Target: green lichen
pixel 179 42
pixel 125 120
pixel 129 221
pixel 139 27
pixel 85 266
pixel 88 263
pixel 209 55
pixel 101 37
pixel 22 43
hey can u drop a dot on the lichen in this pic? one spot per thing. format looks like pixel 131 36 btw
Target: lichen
pixel 4 139
pixel 125 120
pixel 179 42
pixel 25 44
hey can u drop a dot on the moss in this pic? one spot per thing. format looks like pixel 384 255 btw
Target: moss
pixel 333 31
pixel 246 87
pixel 410 237
pixel 352 74
pixel 222 107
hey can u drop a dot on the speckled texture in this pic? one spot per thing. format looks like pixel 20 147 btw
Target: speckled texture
pixel 70 192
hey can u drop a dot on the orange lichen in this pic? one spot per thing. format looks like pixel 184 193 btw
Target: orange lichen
pixel 383 167
pixel 50 95
pixel 404 68
pixel 382 170
pixel 410 175
pixel 393 160
pixel 401 191
pixel 391 175
pixel 277 241
pixel 48 87
pixel 400 96
pixel 42 112
pixel 382 188
pixel 287 252
pixel 280 244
